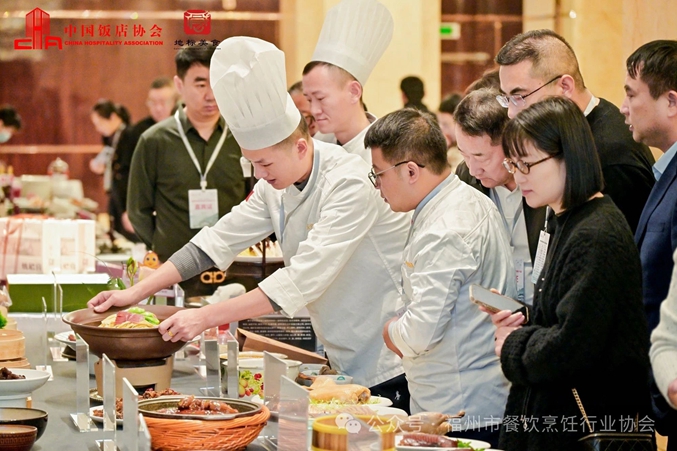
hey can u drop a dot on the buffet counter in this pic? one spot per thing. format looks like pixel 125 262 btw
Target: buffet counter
pixel 57 398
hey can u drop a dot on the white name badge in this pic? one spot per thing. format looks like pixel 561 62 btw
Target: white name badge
pixel 203 207
pixel 541 253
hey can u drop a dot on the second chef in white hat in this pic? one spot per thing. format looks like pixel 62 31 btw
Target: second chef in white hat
pixel 341 243
pixel 354 36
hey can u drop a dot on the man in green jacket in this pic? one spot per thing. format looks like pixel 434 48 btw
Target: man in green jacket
pixel 185 173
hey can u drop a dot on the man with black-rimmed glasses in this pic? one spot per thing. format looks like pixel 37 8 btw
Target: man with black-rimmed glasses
pixel 540 63
pixel 456 239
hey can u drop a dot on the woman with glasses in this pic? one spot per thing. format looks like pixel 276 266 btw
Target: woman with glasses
pixel 587 330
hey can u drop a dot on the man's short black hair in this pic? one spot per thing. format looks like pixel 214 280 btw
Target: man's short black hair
pixel 655 63
pixel 409 135
pixel 162 82
pixel 10 117
pixel 448 104
pixel 106 108
pixel 190 55
pixel 296 87
pixel 412 87
pixel 550 54
pixel 480 114
pixel 489 80
pixel 557 127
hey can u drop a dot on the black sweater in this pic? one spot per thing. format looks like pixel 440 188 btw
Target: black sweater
pixel 588 332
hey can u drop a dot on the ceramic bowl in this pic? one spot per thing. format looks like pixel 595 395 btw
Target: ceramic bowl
pixel 123 344
pixel 13 392
pixel 17 437
pixel 13 416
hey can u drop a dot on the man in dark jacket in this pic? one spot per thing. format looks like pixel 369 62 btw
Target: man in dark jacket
pixel 540 63
pixel 650 109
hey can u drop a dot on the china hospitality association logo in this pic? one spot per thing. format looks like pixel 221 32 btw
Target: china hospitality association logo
pixel 37 33
pixel 197 21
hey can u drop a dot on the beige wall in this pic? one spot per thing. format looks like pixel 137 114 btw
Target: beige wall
pixel 414 50
pixel 604 33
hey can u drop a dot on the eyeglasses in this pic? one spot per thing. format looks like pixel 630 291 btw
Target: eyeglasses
pixel 524 168
pixel 518 99
pixel 373 176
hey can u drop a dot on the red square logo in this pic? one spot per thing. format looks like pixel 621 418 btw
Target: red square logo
pixel 197 21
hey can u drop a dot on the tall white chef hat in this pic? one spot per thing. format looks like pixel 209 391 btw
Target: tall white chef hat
pixel 354 36
pixel 250 87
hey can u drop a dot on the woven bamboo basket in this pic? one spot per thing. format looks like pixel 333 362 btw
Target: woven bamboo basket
pixel 227 435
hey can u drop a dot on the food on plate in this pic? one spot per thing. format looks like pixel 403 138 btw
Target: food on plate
pixel 132 318
pixel 191 406
pixel 421 440
pixel 118 410
pixel 6 375
pixel 148 394
pixel 329 391
pixel 152 394
pixel 430 422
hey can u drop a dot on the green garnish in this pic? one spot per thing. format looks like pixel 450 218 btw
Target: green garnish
pixel 463 444
pixel 148 316
pixel 3 321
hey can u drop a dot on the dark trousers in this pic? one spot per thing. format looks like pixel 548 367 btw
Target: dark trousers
pixel 395 389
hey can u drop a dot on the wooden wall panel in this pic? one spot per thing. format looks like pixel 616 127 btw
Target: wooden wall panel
pixel 55 93
pixel 485 26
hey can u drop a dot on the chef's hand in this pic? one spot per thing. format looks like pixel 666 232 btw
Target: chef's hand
pixel 386 337
pixel 500 335
pixel 672 392
pixel 505 318
pixel 183 325
pixel 114 298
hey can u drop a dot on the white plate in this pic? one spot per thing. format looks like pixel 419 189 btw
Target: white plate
pixel 379 401
pixel 63 338
pixel 96 419
pixel 257 259
pixel 384 411
pixel 16 387
pixel 476 444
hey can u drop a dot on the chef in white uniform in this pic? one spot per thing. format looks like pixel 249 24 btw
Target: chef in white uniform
pixel 354 36
pixel 341 244
pixel 456 239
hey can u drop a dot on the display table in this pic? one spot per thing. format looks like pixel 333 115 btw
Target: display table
pixel 57 397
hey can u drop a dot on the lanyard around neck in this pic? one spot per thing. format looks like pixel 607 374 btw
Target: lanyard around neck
pixel 189 148
pixel 493 194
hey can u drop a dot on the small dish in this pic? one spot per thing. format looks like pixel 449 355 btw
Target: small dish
pixel 99 419
pixel 13 392
pixel 12 416
pixel 63 337
pixel 17 437
pixel 475 444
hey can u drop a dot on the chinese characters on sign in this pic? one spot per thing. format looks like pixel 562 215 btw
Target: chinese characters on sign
pixel 38 34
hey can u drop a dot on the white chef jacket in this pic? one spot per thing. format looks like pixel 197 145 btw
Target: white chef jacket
pixel 342 248
pixel 356 145
pixel 456 239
